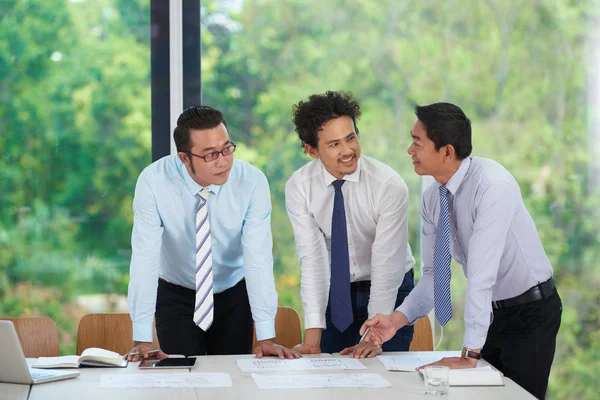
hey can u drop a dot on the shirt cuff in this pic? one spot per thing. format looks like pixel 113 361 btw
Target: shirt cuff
pixel 315 320
pixel 411 314
pixel 474 339
pixel 265 329
pixel 142 332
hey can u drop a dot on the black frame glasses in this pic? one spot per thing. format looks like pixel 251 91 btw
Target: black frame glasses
pixel 227 150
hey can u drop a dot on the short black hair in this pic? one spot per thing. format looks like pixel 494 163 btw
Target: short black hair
pixel 309 116
pixel 195 117
pixel 446 124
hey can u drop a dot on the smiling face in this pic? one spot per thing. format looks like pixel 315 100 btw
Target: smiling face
pixel 204 142
pixel 441 163
pixel 338 147
pixel 426 159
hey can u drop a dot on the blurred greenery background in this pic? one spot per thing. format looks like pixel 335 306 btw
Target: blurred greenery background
pixel 75 131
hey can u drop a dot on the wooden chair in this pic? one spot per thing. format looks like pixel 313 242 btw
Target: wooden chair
pixel 423 337
pixel 287 328
pixel 38 336
pixel 107 331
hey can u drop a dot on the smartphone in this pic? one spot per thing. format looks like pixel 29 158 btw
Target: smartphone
pixel 167 363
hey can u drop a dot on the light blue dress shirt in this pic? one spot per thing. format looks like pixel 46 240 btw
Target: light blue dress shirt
pixel 164 241
pixel 493 237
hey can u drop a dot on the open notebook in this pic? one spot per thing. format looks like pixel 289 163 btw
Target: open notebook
pixel 92 357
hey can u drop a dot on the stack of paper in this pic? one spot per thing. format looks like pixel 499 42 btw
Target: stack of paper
pixel 484 376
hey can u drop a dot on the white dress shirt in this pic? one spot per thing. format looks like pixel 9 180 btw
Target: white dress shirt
pixel 492 236
pixel 376 205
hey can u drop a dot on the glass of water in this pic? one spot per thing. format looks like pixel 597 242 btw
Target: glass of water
pixel 436 380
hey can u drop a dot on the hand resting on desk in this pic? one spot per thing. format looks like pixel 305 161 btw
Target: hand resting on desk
pixel 270 348
pixel 452 363
pixel 143 350
pixel 362 350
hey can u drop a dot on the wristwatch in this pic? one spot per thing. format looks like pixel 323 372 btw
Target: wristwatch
pixel 468 353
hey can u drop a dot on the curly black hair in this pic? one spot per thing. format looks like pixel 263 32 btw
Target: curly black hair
pixel 309 116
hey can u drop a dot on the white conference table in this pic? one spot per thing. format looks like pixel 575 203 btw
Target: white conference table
pixel 407 385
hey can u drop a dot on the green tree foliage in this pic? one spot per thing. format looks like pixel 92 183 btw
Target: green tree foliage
pixel 75 130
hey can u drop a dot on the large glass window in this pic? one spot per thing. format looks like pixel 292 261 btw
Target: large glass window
pixel 75 133
pixel 524 75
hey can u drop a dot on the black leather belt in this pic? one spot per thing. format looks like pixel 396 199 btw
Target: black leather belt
pixel 537 292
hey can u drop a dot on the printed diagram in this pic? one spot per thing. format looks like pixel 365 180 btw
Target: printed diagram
pixel 301 364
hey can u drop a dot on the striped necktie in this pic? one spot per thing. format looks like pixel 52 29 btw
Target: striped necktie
pixel 441 262
pixel 203 312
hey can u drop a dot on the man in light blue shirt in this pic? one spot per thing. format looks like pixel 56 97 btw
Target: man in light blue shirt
pixel 202 262
pixel 475 214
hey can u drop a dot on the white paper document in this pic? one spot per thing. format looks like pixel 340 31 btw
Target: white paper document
pixel 299 364
pixel 176 380
pixel 411 360
pixel 313 381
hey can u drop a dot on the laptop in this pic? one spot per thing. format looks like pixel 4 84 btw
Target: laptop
pixel 14 369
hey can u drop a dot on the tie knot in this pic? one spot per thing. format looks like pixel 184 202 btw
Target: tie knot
pixel 338 184
pixel 443 190
pixel 204 193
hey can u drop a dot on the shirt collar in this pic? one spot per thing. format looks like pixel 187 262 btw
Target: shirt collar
pixel 192 185
pixel 353 177
pixel 456 179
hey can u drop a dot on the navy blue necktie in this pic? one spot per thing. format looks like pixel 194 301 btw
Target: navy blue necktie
pixel 441 262
pixel 339 290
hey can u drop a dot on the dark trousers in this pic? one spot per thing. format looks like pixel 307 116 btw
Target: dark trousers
pixel 231 330
pixel 334 341
pixel 521 342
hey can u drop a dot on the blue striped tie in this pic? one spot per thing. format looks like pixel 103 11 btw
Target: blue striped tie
pixel 339 288
pixel 441 263
pixel 203 312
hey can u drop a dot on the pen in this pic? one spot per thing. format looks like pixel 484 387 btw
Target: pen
pixel 365 334
pixel 137 353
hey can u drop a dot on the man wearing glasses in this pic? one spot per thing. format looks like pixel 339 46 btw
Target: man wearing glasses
pixel 202 262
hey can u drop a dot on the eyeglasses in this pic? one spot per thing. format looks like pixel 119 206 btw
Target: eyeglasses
pixel 227 150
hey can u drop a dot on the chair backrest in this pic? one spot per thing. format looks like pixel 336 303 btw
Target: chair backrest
pixel 423 337
pixel 38 336
pixel 112 332
pixel 287 328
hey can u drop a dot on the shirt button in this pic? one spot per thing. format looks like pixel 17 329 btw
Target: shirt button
pixel 454 237
pixel 449 212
